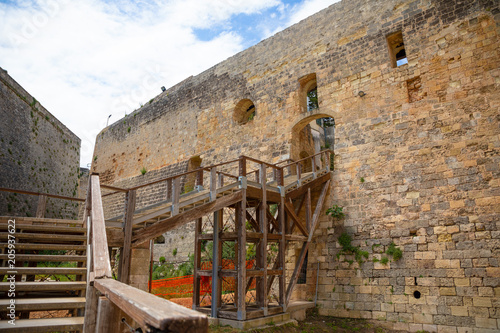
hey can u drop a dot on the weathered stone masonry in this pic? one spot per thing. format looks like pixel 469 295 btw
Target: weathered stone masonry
pixel 37 153
pixel 417 157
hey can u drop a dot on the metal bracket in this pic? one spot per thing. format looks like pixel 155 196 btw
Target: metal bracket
pixel 199 188
pixel 282 191
pixel 243 182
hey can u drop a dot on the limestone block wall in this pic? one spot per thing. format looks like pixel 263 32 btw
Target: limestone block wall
pixel 37 153
pixel 417 157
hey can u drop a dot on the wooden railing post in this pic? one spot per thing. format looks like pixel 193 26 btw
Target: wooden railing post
pixel 169 189
pixel 313 165
pixel 197 263
pixel 221 180
pixel 199 178
pixel 299 172
pixel 176 195
pixel 40 208
pixel 241 209
pixel 213 184
pixel 282 245
pixel 130 200
pixel 262 247
pixel 243 166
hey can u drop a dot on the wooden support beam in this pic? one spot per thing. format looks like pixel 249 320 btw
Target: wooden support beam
pixel 197 263
pixel 173 222
pixel 107 316
pixel 261 286
pixel 308 210
pixel 242 248
pixel 290 211
pixel 273 221
pixel 252 221
pixel 216 262
pixel 282 247
pixel 312 184
pixel 40 208
pixel 130 199
pixel 315 220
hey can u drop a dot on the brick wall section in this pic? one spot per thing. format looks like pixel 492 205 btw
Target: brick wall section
pixel 425 139
pixel 37 153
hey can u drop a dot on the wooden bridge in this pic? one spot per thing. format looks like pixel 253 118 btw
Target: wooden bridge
pixel 242 207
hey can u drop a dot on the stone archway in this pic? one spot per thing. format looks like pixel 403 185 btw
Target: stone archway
pixel 306 139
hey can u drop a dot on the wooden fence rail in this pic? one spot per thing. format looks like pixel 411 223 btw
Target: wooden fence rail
pixel 102 314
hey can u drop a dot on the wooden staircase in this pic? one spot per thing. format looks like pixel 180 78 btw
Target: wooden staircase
pixel 47 267
pixel 230 203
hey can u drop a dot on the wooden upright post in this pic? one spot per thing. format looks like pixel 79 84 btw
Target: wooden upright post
pixel 262 248
pixel 176 196
pixel 242 241
pixel 216 262
pixel 197 263
pixel 282 277
pixel 213 184
pixel 42 203
pixel 308 210
pixel 127 239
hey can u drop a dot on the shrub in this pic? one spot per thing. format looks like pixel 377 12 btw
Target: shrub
pixel 394 251
pixel 335 212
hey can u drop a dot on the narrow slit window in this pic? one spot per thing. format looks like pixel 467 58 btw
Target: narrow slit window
pixel 397 49
pixel 302 278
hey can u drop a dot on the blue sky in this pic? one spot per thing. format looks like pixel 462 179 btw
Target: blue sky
pixel 88 59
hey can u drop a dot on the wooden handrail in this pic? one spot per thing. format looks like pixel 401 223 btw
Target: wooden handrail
pixel 101 267
pixel 308 157
pixel 55 196
pixel 150 312
pixel 181 174
pixel 261 162
pixel 114 188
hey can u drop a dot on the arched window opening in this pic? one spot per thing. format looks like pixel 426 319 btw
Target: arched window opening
pixel 312 99
pixel 397 50
pixel 190 180
pixel 308 93
pixel 311 135
pixel 244 111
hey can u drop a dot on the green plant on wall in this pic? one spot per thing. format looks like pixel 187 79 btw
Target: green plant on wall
pixel 394 251
pixel 143 171
pixel 347 248
pixel 336 212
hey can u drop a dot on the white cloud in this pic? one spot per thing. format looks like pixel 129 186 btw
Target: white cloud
pixel 84 60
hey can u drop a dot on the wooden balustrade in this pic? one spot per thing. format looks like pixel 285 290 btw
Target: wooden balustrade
pixel 102 314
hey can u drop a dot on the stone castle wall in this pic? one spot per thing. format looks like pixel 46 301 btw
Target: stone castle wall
pixel 37 153
pixel 417 158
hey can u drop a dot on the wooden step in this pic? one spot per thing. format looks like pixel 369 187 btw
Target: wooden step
pixel 45 257
pixel 43 325
pixel 38 220
pixel 58 247
pixel 43 304
pixel 44 237
pixel 50 228
pixel 43 270
pixel 44 286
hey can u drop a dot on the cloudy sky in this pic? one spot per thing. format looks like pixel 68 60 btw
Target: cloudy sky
pixel 88 59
